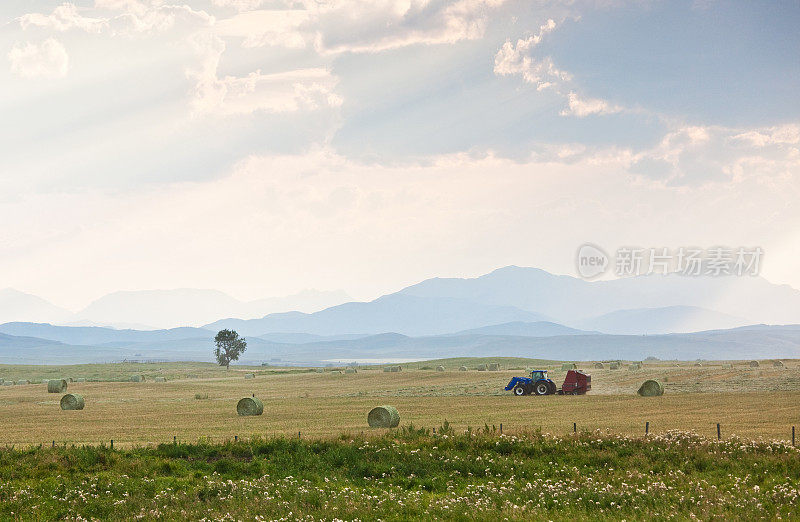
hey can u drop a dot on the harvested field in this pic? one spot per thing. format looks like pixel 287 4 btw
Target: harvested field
pixel 761 402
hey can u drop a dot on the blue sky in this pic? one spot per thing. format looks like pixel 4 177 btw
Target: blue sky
pixel 367 145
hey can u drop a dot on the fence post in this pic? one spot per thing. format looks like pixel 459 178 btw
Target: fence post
pixel 235 438
pixel 574 427
pixel 501 428
pixel 719 435
pixel 647 428
pixel 112 443
pixel 175 439
pixel 792 435
pixel 298 435
pixel 54 444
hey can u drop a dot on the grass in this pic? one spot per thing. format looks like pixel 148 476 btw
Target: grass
pixel 408 474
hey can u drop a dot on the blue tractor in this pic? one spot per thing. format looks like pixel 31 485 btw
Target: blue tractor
pixel 538 383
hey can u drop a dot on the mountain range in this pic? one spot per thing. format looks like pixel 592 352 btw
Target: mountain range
pixel 511 311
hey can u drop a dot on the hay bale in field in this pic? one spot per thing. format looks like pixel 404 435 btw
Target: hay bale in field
pixel 651 388
pixel 70 379
pixel 137 378
pixel 393 369
pixel 635 366
pixel 72 401
pixel 23 381
pixel 319 370
pixel 160 379
pixel 249 375
pixel 462 369
pixel 754 364
pixel 440 368
pixel 777 364
pixel 383 417
pixel 56 386
pixel 599 365
pixel 200 396
pixel 350 370
pixel 569 366
pixel 481 367
pixel 613 366
pixel 494 367
pixel 250 406
pixel 8 383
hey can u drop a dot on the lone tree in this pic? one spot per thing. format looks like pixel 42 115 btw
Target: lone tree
pixel 229 347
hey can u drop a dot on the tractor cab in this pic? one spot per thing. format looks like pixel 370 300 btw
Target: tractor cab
pixel 538 375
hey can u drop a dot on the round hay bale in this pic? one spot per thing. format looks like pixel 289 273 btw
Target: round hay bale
pixel 137 378
pixel 754 364
pixel 635 366
pixel 651 388
pixel 383 417
pixel 462 369
pixel 56 386
pixel 23 381
pixel 8 383
pixel 200 396
pixel 481 367
pixel 613 366
pixel 777 364
pixel 249 375
pixel 568 366
pixel 319 370
pixel 72 401
pixel 250 406
pixel 440 368
pixel 494 367
pixel 160 379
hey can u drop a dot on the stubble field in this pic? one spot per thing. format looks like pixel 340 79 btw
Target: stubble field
pixel 748 402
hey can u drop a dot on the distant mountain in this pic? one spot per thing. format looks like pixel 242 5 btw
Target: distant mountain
pixel 301 338
pixel 670 319
pixel 16 342
pixel 193 307
pixel 19 306
pixel 569 300
pixel 406 314
pixel 92 335
pixel 521 329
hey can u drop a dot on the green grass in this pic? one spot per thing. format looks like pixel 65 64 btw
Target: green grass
pixel 410 473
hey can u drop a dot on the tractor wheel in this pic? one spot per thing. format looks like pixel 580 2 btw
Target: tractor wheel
pixel 541 388
pixel 519 391
pixel 552 388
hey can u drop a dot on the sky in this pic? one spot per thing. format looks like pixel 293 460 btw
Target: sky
pixel 262 147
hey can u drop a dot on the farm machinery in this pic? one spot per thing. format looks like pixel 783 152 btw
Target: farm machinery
pixel 575 383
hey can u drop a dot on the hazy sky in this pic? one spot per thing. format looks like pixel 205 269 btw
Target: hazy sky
pixel 263 147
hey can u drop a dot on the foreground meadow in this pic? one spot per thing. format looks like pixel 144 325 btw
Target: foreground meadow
pixel 752 403
pixel 408 474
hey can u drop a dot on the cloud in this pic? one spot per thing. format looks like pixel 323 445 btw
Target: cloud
pixel 697 155
pixel 64 18
pixel 582 107
pixel 515 59
pixel 45 60
pixel 359 26
pixel 125 17
pixel 290 91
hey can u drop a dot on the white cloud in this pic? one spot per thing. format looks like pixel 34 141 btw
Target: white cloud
pixel 289 91
pixel 64 18
pixel 582 107
pixel 124 17
pixel 781 135
pixel 359 25
pixel 46 60
pixel 516 59
pixel 322 219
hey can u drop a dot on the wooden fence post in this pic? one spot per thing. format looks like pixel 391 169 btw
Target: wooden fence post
pixel 719 435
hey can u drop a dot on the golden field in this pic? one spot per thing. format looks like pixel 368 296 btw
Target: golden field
pixel 759 402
